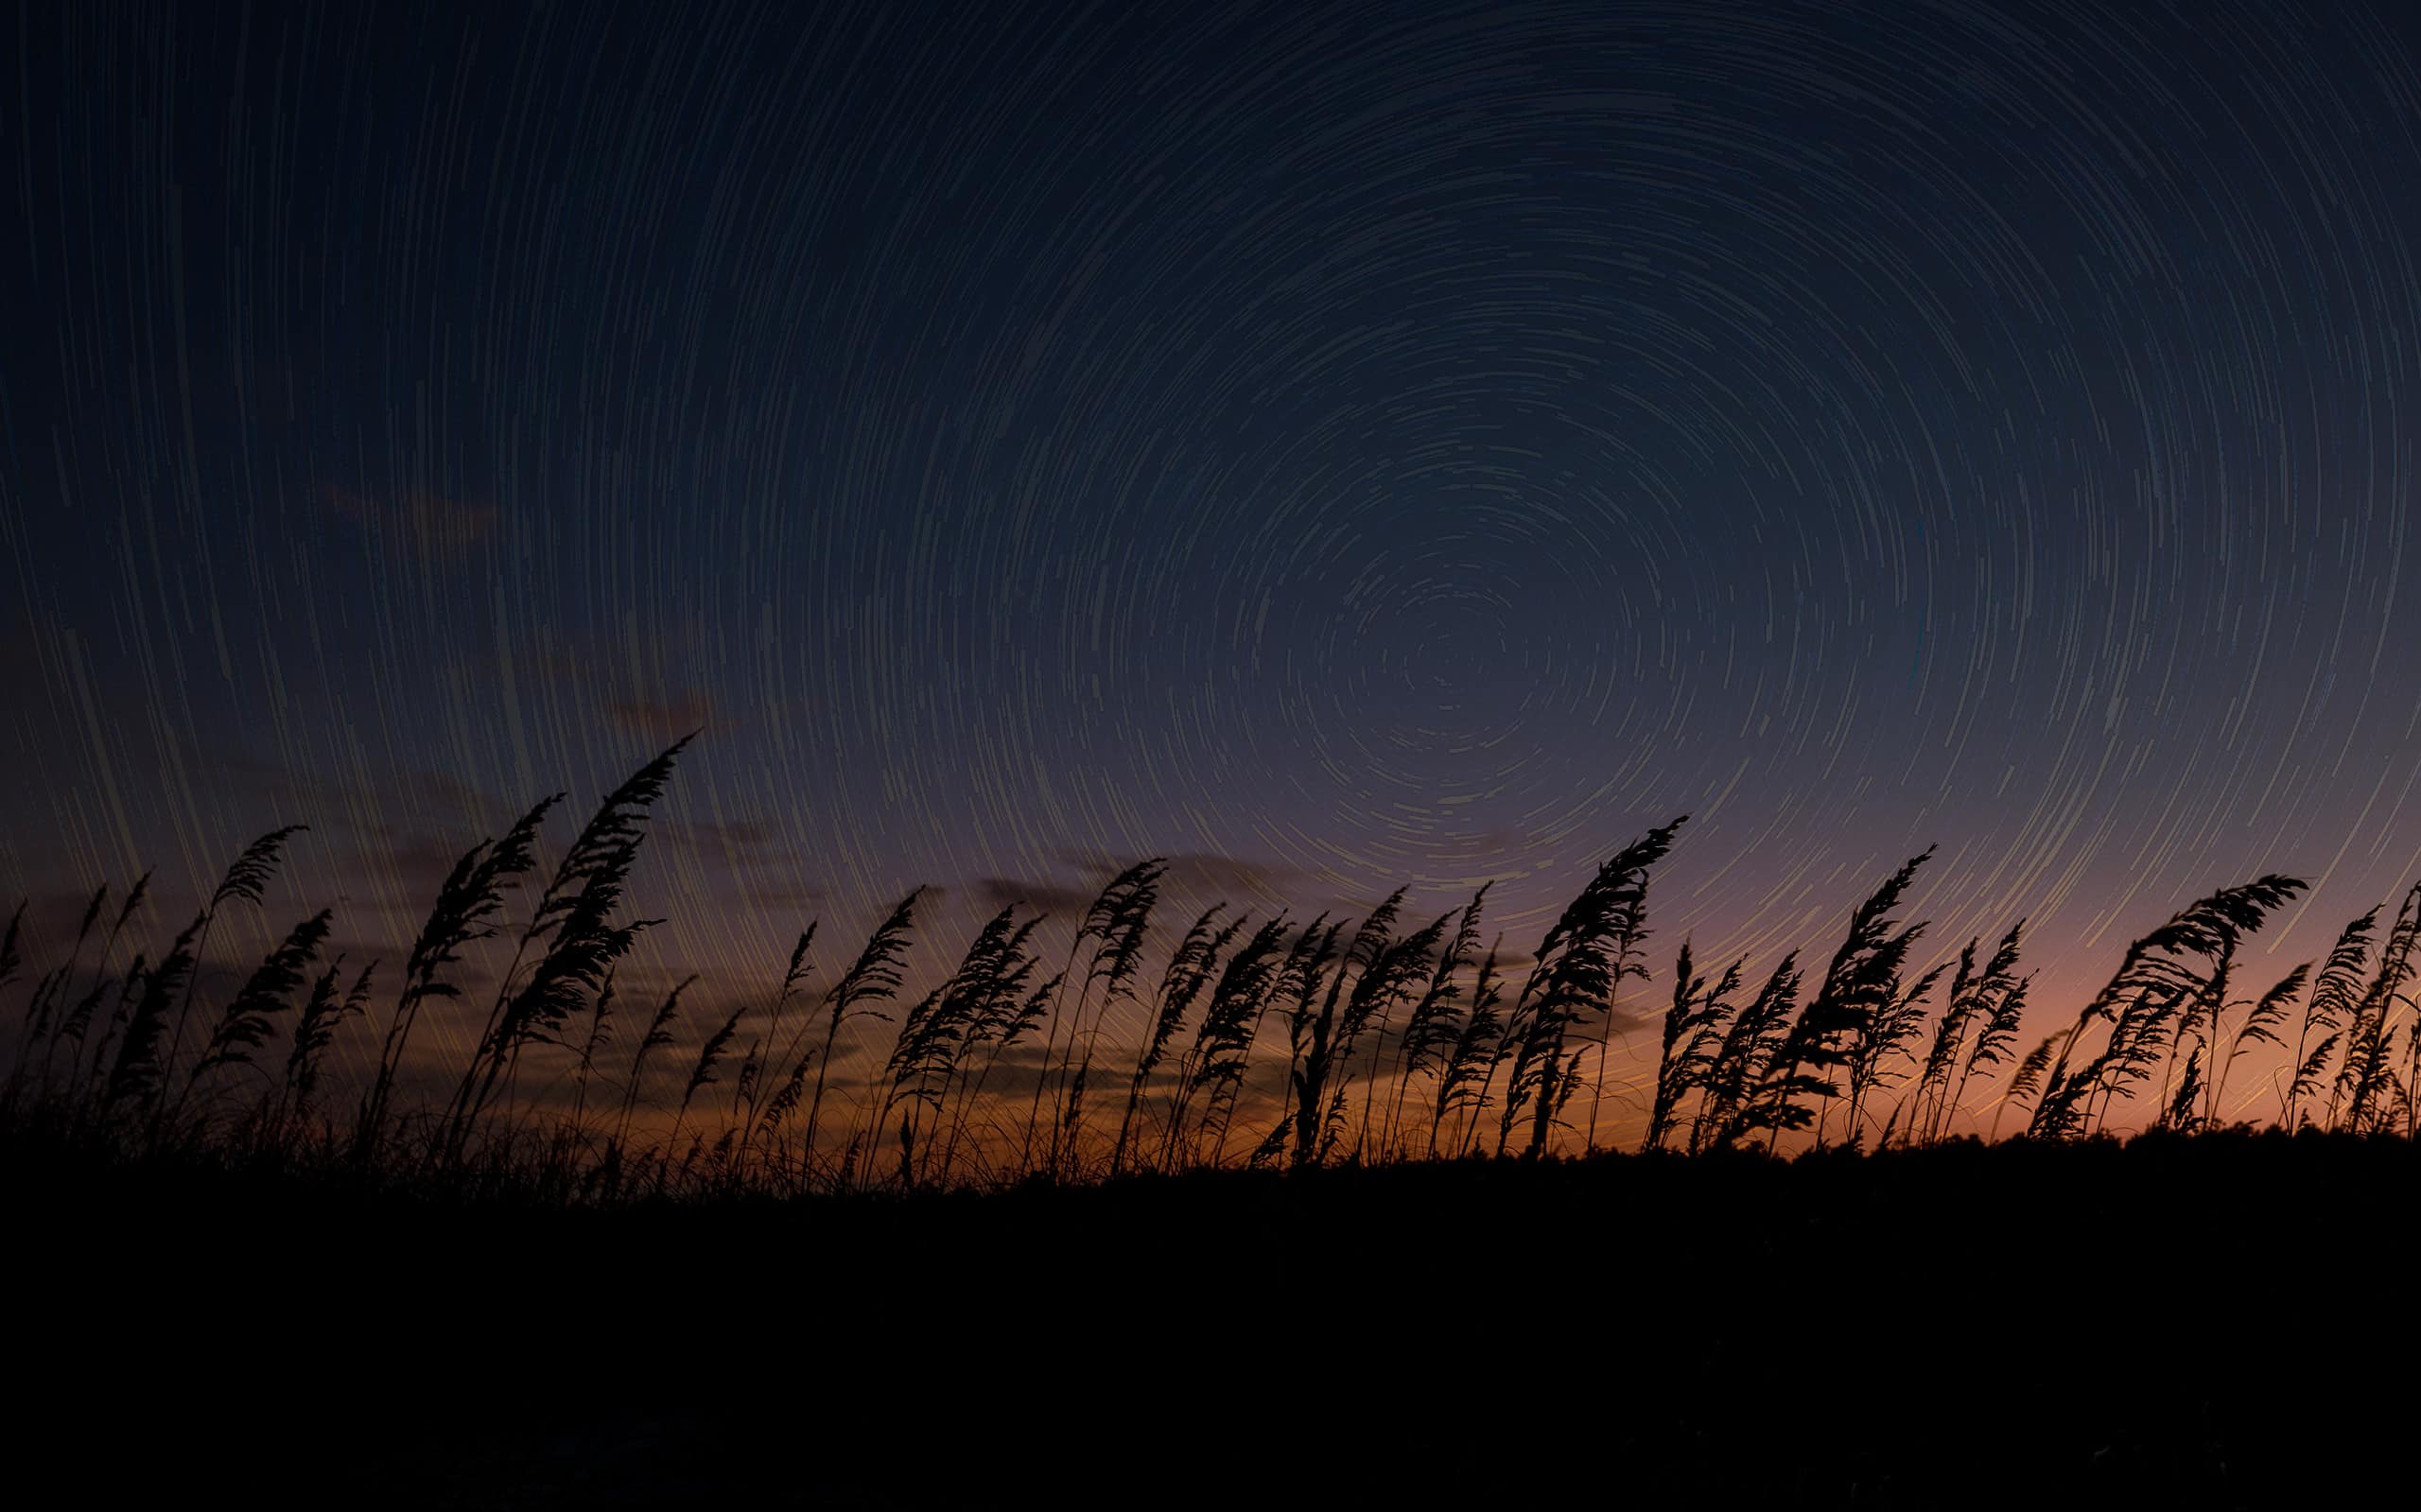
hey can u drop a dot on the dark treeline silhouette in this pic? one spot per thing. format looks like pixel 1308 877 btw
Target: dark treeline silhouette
pixel 1273 1042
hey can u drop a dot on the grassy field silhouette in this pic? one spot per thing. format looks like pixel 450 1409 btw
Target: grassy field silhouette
pixel 1335 1222
pixel 1266 1043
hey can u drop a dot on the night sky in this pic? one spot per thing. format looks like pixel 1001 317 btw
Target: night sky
pixel 1334 446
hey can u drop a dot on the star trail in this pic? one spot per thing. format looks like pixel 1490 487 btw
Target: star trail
pixel 1336 446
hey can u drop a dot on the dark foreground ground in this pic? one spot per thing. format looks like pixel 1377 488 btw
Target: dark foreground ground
pixel 2211 1324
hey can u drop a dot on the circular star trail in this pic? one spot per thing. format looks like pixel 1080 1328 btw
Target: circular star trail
pixel 1333 446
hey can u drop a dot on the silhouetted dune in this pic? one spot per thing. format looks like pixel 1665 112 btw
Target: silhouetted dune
pixel 1312 1228
pixel 2020 1324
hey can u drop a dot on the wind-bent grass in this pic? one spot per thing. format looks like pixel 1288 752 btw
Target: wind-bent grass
pixel 1335 1041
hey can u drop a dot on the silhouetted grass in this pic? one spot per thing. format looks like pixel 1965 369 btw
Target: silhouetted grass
pixel 1261 1044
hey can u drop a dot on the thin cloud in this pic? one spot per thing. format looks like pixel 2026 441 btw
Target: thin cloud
pixel 664 717
pixel 1043 897
pixel 430 526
